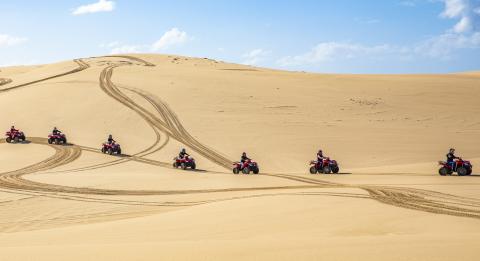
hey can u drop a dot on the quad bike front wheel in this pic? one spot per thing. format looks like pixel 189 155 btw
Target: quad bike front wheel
pixel 50 141
pixel 246 170
pixel 443 171
pixel 193 165
pixel 335 169
pixel 469 171
pixel 8 139
pixel 256 170
pixel 462 171
pixel 184 166
pixel 313 170
pixel 236 170
pixel 110 151
pixel 16 139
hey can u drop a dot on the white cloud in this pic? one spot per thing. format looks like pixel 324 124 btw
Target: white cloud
pixel 444 45
pixel 170 38
pixel 467 11
pixel 254 57
pixel 100 6
pixel 8 40
pixel 126 49
pixel 329 51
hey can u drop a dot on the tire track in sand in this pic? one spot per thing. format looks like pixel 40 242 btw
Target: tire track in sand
pixel 81 65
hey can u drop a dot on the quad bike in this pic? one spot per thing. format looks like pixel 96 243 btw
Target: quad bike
pixel 15 136
pixel 59 138
pixel 460 166
pixel 246 167
pixel 111 148
pixel 326 166
pixel 186 162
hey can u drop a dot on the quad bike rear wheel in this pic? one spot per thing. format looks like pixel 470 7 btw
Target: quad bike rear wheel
pixel 256 170
pixel 103 150
pixel 443 171
pixel 8 139
pixel 469 171
pixel 236 170
pixel 313 170
pixel 58 141
pixel 246 170
pixel 326 170
pixel 119 151
pixel 193 165
pixel 462 171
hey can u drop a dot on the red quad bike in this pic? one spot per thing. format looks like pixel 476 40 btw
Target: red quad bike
pixel 462 167
pixel 246 167
pixel 57 138
pixel 111 149
pixel 15 136
pixel 186 162
pixel 326 166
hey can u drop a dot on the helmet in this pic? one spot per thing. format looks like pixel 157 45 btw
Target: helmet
pixel 13 127
pixel 244 154
pixel 109 136
pixel 320 151
pixel 452 150
pixel 183 150
pixel 55 128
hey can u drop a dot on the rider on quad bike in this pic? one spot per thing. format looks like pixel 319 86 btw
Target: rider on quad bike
pixel 110 139
pixel 13 130
pixel 183 153
pixel 244 158
pixel 451 157
pixel 56 131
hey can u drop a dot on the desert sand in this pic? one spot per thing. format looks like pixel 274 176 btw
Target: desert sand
pixel 71 202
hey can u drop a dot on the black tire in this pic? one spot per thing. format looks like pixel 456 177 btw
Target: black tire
pixel 22 138
pixel 58 141
pixel 110 151
pixel 256 170
pixel 8 139
pixel 50 141
pixel 443 171
pixel 462 171
pixel 194 165
pixel 313 170
pixel 246 170
pixel 184 166
pixel 119 151
pixel 175 165
pixel 16 139
pixel 103 150
pixel 64 140
pixel 327 170
pixel 335 169
pixel 469 171
pixel 236 170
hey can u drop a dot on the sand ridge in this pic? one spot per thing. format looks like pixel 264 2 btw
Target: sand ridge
pixel 166 126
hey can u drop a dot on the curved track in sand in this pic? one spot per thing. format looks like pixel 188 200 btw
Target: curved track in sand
pixel 167 122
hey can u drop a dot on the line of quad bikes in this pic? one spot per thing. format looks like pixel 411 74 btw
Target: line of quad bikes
pixel 325 166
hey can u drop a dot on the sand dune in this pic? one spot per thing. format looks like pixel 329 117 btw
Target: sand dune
pixel 387 132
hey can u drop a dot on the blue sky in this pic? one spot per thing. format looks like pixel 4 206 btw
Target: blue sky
pixel 342 36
